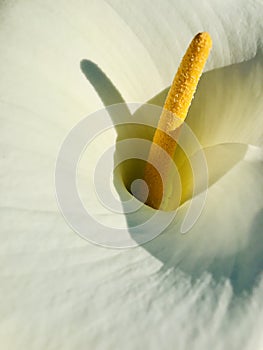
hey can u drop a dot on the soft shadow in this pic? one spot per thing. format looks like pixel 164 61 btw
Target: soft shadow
pixel 107 92
pixel 249 262
pixel 220 160
pixel 243 268
pixel 110 95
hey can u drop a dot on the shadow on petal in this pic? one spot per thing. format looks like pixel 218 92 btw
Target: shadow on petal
pixel 249 263
pixel 226 241
pixel 220 159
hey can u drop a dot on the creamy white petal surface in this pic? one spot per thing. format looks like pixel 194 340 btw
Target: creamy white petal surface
pixel 202 290
pixel 236 29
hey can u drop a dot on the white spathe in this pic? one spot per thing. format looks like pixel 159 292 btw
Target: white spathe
pixel 59 291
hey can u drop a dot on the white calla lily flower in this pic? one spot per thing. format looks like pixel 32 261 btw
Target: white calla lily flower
pixel 201 290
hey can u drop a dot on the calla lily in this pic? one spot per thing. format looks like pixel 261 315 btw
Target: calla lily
pixel 201 290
